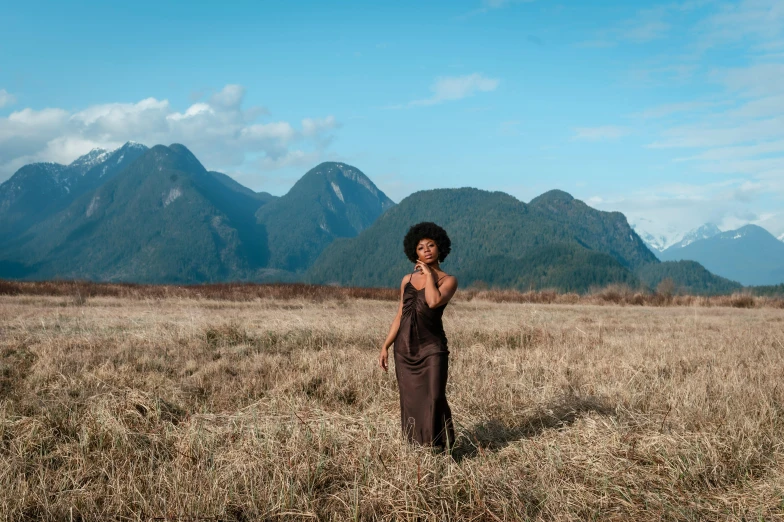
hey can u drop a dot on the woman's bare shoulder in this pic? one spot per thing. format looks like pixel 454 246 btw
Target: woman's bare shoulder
pixel 444 277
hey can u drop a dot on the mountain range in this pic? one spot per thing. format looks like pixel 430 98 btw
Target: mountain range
pixel 659 242
pixel 750 255
pixel 156 215
pixel 164 218
pixel 495 238
pixel 555 241
pixel 39 190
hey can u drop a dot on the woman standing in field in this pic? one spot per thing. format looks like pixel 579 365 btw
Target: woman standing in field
pixel 421 355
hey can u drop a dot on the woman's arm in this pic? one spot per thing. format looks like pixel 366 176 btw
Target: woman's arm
pixel 382 358
pixel 437 295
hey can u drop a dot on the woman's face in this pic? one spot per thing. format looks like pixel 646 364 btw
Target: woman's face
pixel 427 250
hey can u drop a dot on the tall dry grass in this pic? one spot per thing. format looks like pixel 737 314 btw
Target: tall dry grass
pixel 268 409
pixel 77 292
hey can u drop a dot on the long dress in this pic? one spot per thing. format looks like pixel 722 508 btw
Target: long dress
pixel 421 367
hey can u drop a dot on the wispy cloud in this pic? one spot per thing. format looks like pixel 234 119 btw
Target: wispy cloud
pixel 669 109
pixel 601 133
pixel 645 32
pixel 647 25
pixel 490 5
pixel 6 98
pixel 757 22
pixel 451 88
pixel 733 134
pixel 509 128
pixel 668 211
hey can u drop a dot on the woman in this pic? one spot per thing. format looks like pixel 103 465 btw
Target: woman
pixel 421 355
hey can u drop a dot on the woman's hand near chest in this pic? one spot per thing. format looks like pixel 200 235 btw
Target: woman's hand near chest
pixel 435 295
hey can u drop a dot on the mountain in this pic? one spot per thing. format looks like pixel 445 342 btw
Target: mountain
pixel 660 240
pixel 704 232
pixel 163 219
pixel 655 244
pixel 749 255
pixel 570 220
pixel 40 190
pixel 332 200
pixel 774 224
pixel 567 267
pixel 689 277
pixel 157 215
pixel 553 242
pixel 768 291
pixel 230 183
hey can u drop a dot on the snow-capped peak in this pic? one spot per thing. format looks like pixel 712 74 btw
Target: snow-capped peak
pixel 704 232
pixel 658 242
pixel 135 145
pixel 781 237
pixel 89 160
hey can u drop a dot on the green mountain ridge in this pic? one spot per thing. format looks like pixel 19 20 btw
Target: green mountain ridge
pixel 555 241
pixel 332 200
pixel 596 230
pixel 158 216
pixel 163 219
pixel 688 277
pixel 40 190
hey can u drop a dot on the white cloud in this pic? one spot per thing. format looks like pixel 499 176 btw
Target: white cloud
pixel 290 158
pixel 773 223
pixel 43 118
pixel 605 132
pixel 280 131
pixel 451 88
pixel 230 97
pixel 314 127
pixel 6 98
pixel 669 211
pixel 221 133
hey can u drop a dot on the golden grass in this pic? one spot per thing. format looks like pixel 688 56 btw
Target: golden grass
pixel 77 292
pixel 273 409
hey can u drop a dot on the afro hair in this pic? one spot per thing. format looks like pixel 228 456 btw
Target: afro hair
pixel 426 230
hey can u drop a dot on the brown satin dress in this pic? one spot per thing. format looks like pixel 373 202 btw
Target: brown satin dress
pixel 421 367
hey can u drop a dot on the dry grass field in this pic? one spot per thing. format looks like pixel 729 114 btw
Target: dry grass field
pixel 180 408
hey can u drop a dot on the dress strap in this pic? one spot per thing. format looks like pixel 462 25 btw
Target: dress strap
pixel 438 281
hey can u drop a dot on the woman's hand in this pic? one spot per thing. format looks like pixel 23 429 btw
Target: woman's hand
pixel 423 267
pixel 382 359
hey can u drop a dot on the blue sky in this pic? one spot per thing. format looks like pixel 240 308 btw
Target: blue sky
pixel 671 112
